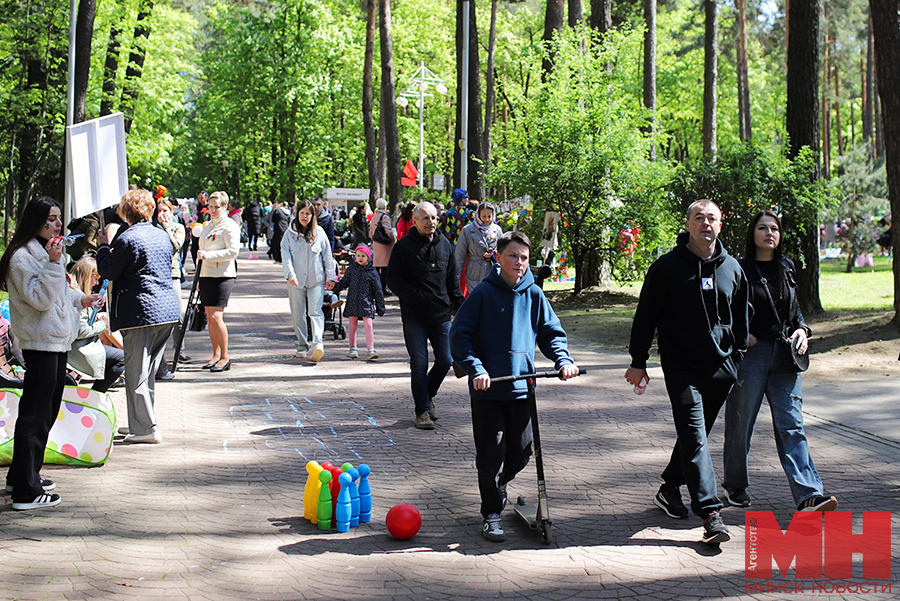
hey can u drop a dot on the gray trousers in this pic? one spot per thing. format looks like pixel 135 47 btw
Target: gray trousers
pixel 143 353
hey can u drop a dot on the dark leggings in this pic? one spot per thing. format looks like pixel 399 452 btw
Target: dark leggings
pixel 115 365
pixel 38 408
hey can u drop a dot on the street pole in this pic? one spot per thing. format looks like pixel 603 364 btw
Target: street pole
pixel 422 87
pixel 70 111
pixel 464 99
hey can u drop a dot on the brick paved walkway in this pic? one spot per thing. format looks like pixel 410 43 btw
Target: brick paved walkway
pixel 215 512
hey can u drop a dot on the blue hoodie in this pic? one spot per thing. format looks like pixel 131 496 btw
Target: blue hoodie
pixel 495 332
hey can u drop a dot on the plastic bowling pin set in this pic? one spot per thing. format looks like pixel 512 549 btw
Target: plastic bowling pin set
pixel 337 494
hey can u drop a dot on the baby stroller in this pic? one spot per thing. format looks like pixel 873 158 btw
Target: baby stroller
pixel 334 315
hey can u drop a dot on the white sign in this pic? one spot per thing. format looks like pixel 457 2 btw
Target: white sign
pixel 97 174
pixel 438 181
pixel 359 194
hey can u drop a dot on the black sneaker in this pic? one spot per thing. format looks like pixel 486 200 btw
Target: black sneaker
pixel 714 530
pixel 492 529
pixel 46 483
pixel 737 498
pixel 818 503
pixel 42 500
pixel 669 500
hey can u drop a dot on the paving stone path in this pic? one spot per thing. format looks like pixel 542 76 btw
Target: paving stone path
pixel 215 512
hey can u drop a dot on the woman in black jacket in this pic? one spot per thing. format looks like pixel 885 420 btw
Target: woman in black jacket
pixel 767 369
pixel 281 219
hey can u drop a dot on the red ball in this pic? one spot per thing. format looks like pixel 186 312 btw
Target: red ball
pixel 403 521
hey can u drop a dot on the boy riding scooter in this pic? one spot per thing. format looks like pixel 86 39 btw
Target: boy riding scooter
pixel 495 332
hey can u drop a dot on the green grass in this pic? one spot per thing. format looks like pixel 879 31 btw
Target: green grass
pixel 863 288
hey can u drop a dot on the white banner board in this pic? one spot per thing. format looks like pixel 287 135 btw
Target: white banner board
pixel 97 175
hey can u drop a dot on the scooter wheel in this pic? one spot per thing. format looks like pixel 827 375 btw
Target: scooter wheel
pixel 520 501
pixel 547 532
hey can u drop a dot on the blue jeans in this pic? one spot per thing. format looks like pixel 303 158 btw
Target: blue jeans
pixel 760 373
pixel 307 301
pixel 424 382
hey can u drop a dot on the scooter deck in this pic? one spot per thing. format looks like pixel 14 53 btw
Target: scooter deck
pixel 528 511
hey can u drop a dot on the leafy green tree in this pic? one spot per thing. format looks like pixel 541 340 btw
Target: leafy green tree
pixel 576 148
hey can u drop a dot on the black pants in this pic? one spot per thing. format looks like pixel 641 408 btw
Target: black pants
pixel 44 381
pixel 115 365
pixel 696 401
pixel 503 440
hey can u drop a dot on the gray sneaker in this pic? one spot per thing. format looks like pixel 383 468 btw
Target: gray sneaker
pixel 433 412
pixel 492 528
pixel 423 421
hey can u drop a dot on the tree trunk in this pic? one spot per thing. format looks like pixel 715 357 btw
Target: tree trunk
pixel 826 115
pixel 367 101
pixel 886 21
pixel 869 91
pixel 601 15
pixel 476 122
pixel 136 62
pixel 710 78
pixel 382 158
pixel 837 110
pixel 744 123
pixel 84 34
pixel 553 21
pixel 802 121
pixel 111 67
pixel 389 107
pixel 879 122
pixel 650 70
pixel 576 13
pixel 489 94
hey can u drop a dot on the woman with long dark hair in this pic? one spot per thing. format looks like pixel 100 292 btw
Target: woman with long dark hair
pixel 44 312
pixel 308 267
pixel 766 369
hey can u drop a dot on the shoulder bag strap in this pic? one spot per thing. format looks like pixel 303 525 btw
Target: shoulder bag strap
pixel 765 284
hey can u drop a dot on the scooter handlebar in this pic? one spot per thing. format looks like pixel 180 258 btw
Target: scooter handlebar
pixel 550 373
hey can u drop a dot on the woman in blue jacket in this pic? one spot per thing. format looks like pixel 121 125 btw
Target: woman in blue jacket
pixel 143 306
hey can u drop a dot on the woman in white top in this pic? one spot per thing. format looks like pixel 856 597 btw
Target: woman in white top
pixel 44 316
pixel 308 268
pixel 220 243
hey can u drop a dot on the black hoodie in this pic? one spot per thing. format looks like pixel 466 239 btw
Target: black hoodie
pixel 699 328
pixel 422 273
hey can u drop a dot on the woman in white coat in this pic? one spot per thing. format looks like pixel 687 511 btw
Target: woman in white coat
pixel 308 267
pixel 44 313
pixel 476 246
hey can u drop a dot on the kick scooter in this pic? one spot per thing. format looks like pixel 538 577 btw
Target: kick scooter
pixel 536 515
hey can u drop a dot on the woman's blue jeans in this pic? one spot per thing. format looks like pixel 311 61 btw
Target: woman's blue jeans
pixel 761 373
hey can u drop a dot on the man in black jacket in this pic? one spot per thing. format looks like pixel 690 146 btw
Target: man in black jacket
pixel 324 218
pixel 422 273
pixel 252 216
pixel 695 297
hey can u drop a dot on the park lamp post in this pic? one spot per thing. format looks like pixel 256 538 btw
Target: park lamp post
pixel 421 81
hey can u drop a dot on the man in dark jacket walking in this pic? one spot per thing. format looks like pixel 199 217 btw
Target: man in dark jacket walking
pixel 252 216
pixel 324 218
pixel 422 273
pixel 695 296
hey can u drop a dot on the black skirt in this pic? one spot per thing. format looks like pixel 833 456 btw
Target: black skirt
pixel 214 292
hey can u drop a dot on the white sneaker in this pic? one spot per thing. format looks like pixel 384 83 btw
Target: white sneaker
pixel 372 355
pixel 354 353
pixel 317 355
pixel 301 354
pixel 154 437
pixel 42 500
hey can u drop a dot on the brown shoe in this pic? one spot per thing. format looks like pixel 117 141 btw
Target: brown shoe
pixel 423 421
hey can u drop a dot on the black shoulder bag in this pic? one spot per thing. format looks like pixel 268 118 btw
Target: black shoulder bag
pixel 791 359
